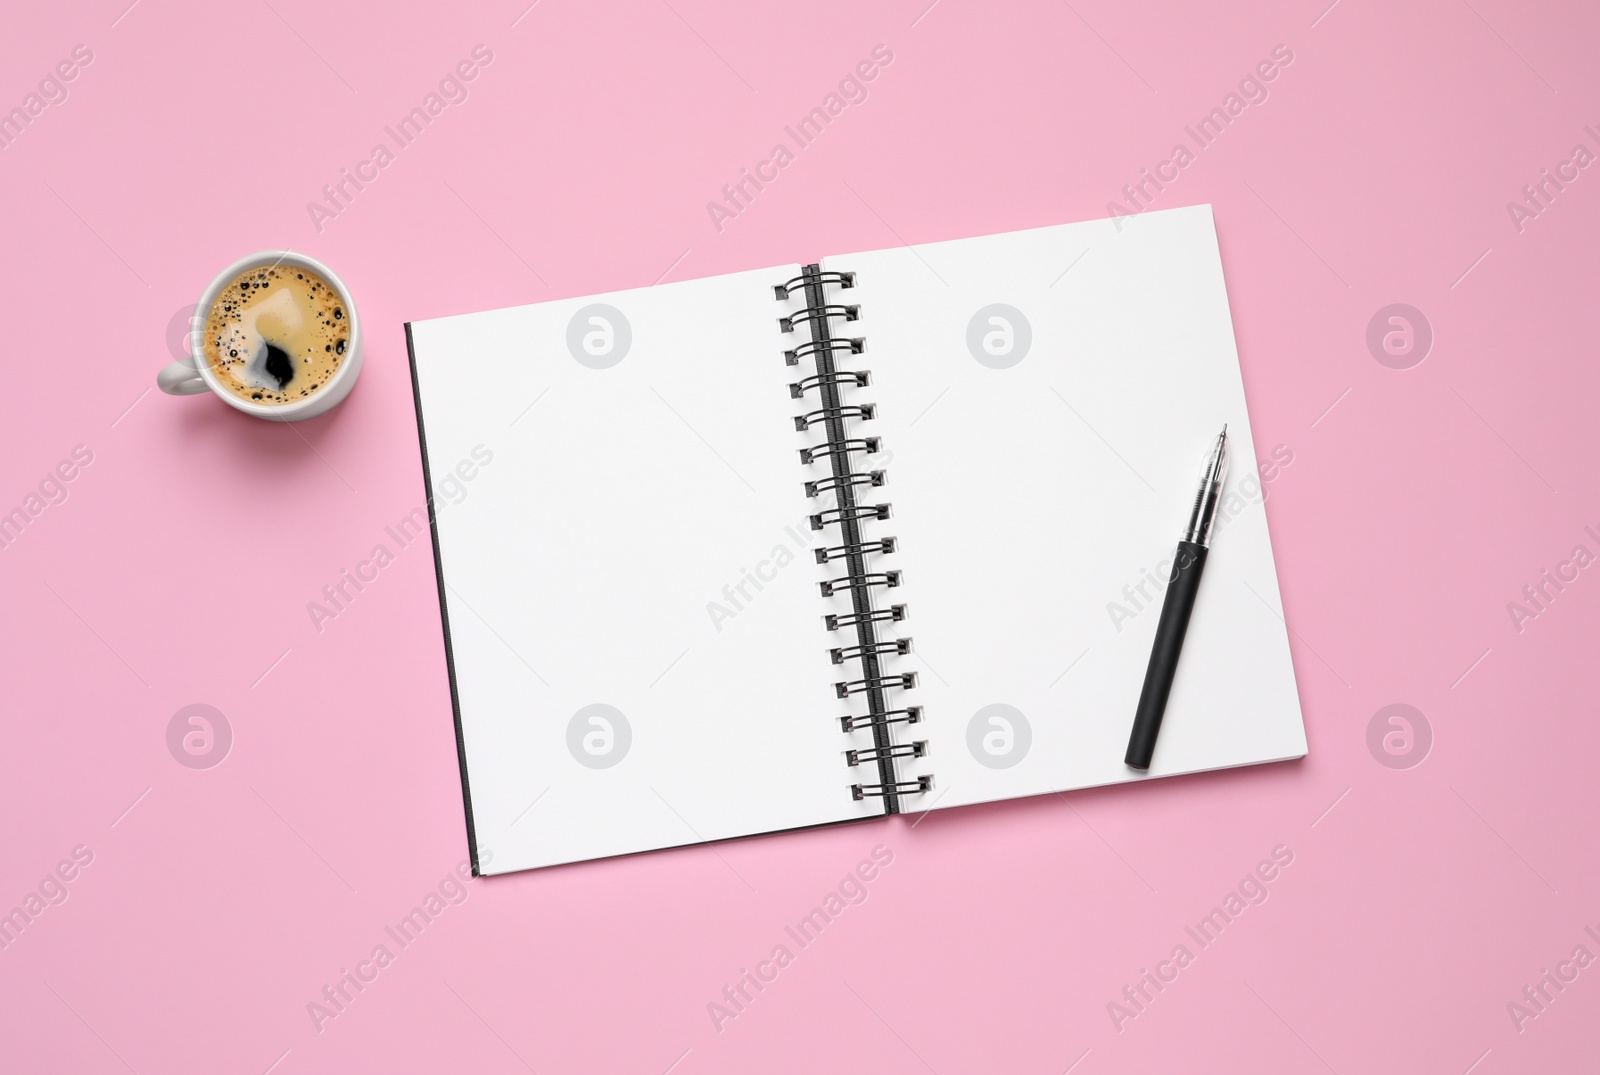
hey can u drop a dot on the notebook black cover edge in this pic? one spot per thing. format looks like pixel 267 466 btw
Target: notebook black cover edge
pixel 444 611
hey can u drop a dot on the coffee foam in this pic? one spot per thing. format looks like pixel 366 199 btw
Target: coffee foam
pixel 276 335
pixel 276 317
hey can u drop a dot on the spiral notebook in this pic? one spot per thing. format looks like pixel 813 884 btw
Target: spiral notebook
pixel 822 543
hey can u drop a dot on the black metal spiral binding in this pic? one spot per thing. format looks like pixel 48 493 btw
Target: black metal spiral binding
pixel 849 516
pixel 857 581
pixel 793 356
pixel 893 790
pixel 818 314
pixel 879 545
pixel 892 614
pixel 869 445
pixel 898 646
pixel 909 715
pixel 858 378
pixel 810 274
pixel 844 484
pixel 863 411
pixel 899 750
pixel 902 680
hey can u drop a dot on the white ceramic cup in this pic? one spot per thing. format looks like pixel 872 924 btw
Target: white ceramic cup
pixel 193 375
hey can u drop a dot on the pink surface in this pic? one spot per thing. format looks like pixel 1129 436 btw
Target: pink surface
pixel 220 902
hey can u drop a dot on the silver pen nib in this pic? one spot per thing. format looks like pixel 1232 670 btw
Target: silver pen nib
pixel 1203 516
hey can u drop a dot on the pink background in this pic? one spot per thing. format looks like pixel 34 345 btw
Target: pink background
pixel 220 902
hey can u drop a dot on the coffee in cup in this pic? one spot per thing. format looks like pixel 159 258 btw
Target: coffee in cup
pixel 276 334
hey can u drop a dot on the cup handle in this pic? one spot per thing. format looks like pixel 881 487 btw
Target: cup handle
pixel 181 378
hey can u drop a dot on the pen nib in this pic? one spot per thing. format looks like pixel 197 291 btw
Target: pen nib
pixel 1216 465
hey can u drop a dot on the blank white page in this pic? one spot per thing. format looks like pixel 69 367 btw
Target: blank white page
pixel 629 537
pixel 1026 497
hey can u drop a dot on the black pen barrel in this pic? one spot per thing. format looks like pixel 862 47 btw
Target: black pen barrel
pixel 1173 625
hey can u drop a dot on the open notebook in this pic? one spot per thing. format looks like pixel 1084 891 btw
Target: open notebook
pixel 813 544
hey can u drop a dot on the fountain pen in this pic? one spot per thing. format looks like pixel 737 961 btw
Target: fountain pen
pixel 1187 564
